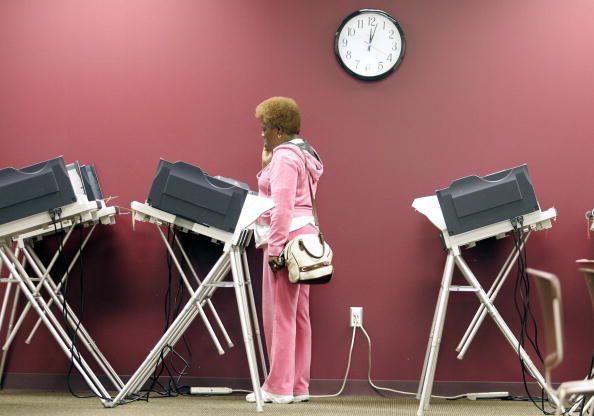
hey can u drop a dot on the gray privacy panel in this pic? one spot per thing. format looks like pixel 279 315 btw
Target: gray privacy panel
pixel 34 189
pixel 473 201
pixel 185 190
pixel 91 182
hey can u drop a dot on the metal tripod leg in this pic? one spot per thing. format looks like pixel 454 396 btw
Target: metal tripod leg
pixel 5 303
pixel 63 279
pixel 56 328
pixel 208 301
pixel 507 333
pixel 585 410
pixel 173 333
pixel 244 317
pixel 10 282
pixel 10 323
pixel 481 313
pixel 180 270
pixel 429 343
pixel 179 326
pixel 426 382
pixel 73 320
pixel 588 405
pixel 254 315
pixel 51 322
pixel 35 291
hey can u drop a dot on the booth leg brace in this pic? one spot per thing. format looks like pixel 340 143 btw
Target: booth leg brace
pixel 428 374
pixel 45 281
pixel 481 313
pixel 232 259
pixel 52 323
pixel 11 281
pixel 427 377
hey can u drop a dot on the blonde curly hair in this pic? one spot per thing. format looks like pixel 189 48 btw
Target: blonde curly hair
pixel 280 112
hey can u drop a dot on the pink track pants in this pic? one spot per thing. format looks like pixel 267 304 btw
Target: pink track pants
pixel 285 312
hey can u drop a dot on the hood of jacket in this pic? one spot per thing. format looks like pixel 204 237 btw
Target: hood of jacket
pixel 315 166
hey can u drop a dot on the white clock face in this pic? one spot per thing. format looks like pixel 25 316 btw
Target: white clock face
pixel 369 44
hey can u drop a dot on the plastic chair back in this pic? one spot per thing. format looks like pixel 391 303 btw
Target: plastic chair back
pixel 549 295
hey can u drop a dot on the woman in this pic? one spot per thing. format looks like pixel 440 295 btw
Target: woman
pixel 285 306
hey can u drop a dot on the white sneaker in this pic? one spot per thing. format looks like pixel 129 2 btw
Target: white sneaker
pixel 270 398
pixel 301 398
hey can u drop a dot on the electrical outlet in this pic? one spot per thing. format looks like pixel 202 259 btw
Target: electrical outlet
pixel 356 316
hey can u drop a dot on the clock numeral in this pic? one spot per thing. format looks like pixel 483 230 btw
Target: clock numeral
pixel 357 63
pixel 371 21
pixel 380 66
pixel 392 32
pixel 348 55
pixel 390 57
pixel 359 23
pixel 384 28
pixel 351 31
pixel 395 46
pixel 367 67
pixel 344 42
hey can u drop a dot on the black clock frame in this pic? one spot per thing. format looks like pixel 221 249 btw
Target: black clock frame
pixel 400 57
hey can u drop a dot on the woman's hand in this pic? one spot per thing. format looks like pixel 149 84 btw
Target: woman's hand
pixel 266 157
pixel 275 263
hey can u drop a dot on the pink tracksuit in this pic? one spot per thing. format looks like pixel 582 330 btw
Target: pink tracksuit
pixel 285 306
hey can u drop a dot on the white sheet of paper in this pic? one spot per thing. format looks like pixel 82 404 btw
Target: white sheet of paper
pixel 429 207
pixel 253 207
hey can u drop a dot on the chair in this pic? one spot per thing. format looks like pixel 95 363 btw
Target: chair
pixel 549 294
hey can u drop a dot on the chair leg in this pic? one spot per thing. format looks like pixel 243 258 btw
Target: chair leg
pixel 561 401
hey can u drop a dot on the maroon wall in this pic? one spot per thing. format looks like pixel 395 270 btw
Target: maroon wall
pixel 484 86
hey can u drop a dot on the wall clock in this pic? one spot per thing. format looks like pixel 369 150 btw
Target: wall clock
pixel 369 44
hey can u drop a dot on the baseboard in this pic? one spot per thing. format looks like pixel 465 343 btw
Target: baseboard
pixel 59 382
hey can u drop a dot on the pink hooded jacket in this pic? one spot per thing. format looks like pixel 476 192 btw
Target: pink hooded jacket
pixel 285 181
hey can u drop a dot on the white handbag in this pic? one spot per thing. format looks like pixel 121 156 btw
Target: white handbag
pixel 308 257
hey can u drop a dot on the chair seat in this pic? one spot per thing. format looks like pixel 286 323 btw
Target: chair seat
pixel 577 386
pixel 570 388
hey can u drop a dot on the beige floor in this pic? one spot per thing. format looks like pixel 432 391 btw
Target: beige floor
pixel 14 403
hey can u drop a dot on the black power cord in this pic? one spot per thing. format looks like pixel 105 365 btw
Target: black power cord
pixel 523 308
pixel 56 217
pixel 172 307
pixel 528 327
pixel 82 312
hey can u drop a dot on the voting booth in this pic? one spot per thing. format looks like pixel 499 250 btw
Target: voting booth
pixel 472 209
pixel 41 201
pixel 183 198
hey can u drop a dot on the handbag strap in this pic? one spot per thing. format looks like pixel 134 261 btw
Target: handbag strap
pixel 313 199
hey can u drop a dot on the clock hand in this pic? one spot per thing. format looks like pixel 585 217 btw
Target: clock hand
pixel 379 50
pixel 371 35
